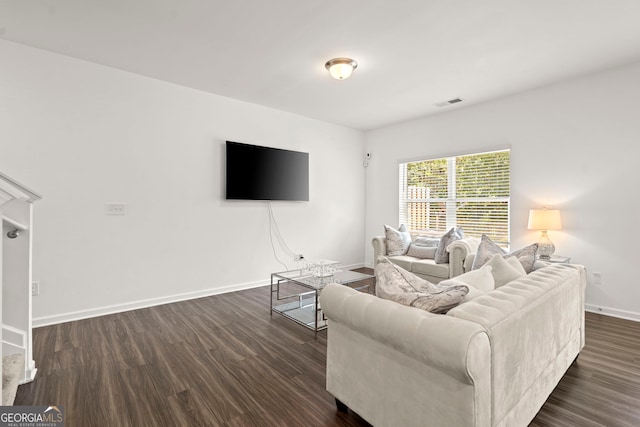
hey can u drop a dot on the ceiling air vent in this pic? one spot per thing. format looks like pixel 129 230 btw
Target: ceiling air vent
pixel 449 102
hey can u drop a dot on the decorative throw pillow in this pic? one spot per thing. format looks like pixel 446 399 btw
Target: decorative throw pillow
pixel 398 241
pixel 429 242
pixel 442 256
pixel 515 263
pixel 422 252
pixel 423 248
pixel 397 284
pixel 502 272
pixel 488 248
pixel 481 279
pixel 526 256
pixel 473 292
pixel 478 281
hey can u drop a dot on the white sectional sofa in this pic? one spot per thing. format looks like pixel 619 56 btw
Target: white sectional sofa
pixel 460 259
pixel 491 361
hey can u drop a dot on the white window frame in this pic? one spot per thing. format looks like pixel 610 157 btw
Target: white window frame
pixel 451 201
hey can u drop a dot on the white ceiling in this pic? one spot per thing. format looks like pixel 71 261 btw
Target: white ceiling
pixel 411 53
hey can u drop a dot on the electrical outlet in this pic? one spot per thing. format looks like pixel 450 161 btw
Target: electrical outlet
pixel 298 257
pixel 35 288
pixel 115 209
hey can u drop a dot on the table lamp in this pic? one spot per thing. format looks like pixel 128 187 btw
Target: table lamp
pixel 545 220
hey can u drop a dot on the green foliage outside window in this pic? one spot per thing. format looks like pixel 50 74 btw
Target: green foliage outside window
pixel 479 200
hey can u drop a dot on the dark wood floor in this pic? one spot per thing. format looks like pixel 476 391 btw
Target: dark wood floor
pixel 224 361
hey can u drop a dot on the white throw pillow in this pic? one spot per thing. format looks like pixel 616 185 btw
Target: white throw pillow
pixel 515 263
pixel 502 271
pixel 478 281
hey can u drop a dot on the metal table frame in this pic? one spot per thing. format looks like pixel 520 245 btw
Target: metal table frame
pixel 301 306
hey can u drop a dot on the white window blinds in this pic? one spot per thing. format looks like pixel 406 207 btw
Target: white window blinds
pixel 470 191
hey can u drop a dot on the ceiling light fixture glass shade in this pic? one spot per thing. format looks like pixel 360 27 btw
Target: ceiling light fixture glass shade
pixel 341 68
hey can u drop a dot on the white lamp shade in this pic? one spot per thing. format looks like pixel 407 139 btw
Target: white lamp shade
pixel 544 219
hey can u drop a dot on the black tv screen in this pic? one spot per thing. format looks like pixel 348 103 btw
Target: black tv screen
pixel 264 173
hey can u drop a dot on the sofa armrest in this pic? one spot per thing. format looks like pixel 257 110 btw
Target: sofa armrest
pixel 459 250
pixel 379 248
pixel 456 347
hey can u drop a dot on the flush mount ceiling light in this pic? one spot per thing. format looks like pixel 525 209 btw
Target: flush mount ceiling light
pixel 341 68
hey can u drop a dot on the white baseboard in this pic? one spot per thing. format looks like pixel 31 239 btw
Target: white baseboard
pixel 29 372
pixel 119 308
pixel 352 266
pixel 613 312
pixel 134 305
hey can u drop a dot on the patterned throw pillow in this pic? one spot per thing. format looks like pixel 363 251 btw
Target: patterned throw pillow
pixel 398 241
pixel 397 284
pixel 526 256
pixel 442 256
pixel 488 248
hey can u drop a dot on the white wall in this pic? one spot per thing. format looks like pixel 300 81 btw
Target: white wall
pixel 574 145
pixel 84 135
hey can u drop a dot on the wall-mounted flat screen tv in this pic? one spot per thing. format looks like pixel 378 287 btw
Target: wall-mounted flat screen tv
pixel 265 173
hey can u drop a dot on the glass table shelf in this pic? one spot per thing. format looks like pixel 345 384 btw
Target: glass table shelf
pixel 294 294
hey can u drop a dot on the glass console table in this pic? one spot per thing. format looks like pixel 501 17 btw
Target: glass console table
pixel 294 294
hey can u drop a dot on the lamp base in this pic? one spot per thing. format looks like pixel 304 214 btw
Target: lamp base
pixel 546 248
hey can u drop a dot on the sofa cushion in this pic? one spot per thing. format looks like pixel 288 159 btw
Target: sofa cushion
pixel 403 261
pixel 442 255
pixel 398 241
pixel 399 285
pixel 429 267
pixel 502 270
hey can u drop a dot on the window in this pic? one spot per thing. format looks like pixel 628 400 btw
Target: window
pixel 470 191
